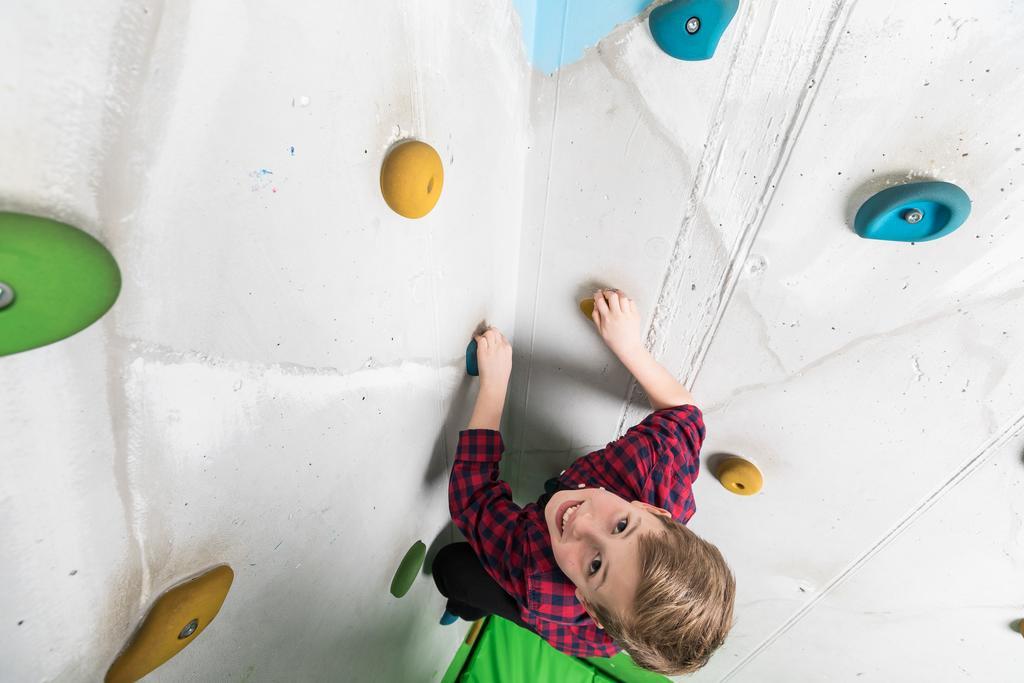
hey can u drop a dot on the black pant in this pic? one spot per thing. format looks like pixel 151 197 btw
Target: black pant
pixel 470 590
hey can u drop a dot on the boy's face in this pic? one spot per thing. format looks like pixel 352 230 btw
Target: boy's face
pixel 597 547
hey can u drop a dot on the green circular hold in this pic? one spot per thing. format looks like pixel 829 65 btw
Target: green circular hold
pixel 407 571
pixel 59 281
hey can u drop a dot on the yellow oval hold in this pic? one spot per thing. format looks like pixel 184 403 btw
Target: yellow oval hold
pixel 175 620
pixel 740 476
pixel 411 178
pixel 587 306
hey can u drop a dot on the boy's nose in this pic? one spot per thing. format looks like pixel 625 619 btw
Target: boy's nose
pixel 582 525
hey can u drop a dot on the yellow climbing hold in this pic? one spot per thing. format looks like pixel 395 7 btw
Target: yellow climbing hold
pixel 587 306
pixel 176 619
pixel 740 476
pixel 411 178
pixel 474 631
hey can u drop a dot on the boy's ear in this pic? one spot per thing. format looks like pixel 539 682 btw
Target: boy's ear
pixel 587 607
pixel 653 508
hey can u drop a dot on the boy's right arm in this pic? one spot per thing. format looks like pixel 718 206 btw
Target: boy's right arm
pixel 663 390
pixel 618 322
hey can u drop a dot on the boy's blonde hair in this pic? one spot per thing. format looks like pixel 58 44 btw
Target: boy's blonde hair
pixel 682 609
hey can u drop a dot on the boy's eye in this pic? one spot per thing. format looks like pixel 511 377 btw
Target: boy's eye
pixel 595 564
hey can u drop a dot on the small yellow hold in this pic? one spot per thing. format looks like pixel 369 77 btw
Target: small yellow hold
pixel 587 306
pixel 474 631
pixel 411 178
pixel 740 476
pixel 175 620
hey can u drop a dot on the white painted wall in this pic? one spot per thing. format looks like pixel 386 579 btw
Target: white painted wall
pixel 878 385
pixel 281 378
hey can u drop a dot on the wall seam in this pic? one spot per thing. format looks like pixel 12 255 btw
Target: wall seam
pixel 840 16
pixel 540 256
pixel 664 311
pixel 120 122
pixel 973 463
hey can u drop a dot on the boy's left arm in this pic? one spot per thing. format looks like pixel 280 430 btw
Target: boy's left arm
pixel 481 504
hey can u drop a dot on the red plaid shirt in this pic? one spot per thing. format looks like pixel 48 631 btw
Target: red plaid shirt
pixel 655 462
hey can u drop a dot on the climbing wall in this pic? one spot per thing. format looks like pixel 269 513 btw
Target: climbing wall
pixel 876 384
pixel 281 380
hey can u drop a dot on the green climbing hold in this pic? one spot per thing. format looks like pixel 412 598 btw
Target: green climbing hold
pixel 407 571
pixel 55 280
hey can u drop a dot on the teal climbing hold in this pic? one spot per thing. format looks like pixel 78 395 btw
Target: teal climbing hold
pixel 915 212
pixel 691 29
pixel 471 366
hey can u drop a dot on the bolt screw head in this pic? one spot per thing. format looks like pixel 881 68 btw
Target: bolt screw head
pixel 6 295
pixel 692 25
pixel 189 629
pixel 913 216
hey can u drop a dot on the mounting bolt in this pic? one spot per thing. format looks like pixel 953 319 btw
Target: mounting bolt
pixel 692 25
pixel 189 629
pixel 913 216
pixel 6 295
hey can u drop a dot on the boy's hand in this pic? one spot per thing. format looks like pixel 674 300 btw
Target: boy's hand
pixel 494 358
pixel 617 320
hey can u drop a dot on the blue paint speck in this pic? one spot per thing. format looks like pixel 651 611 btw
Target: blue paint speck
pixel 291 150
pixel 260 179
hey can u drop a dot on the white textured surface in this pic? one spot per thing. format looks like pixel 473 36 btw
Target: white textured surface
pixel 863 377
pixel 273 387
pixel 286 356
pixel 939 603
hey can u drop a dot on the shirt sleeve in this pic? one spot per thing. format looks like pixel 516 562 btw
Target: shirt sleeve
pixel 655 461
pixel 481 507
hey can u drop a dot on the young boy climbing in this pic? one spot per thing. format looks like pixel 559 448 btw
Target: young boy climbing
pixel 604 562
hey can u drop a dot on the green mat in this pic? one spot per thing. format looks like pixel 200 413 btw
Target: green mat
pixel 506 653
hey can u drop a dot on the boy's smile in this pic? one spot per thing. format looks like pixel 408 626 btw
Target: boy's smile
pixel 594 536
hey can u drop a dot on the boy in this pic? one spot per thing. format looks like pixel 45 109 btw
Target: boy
pixel 604 562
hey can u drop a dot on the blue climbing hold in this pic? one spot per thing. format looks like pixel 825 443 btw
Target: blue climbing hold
pixel 448 618
pixel 471 366
pixel 915 212
pixel 691 29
